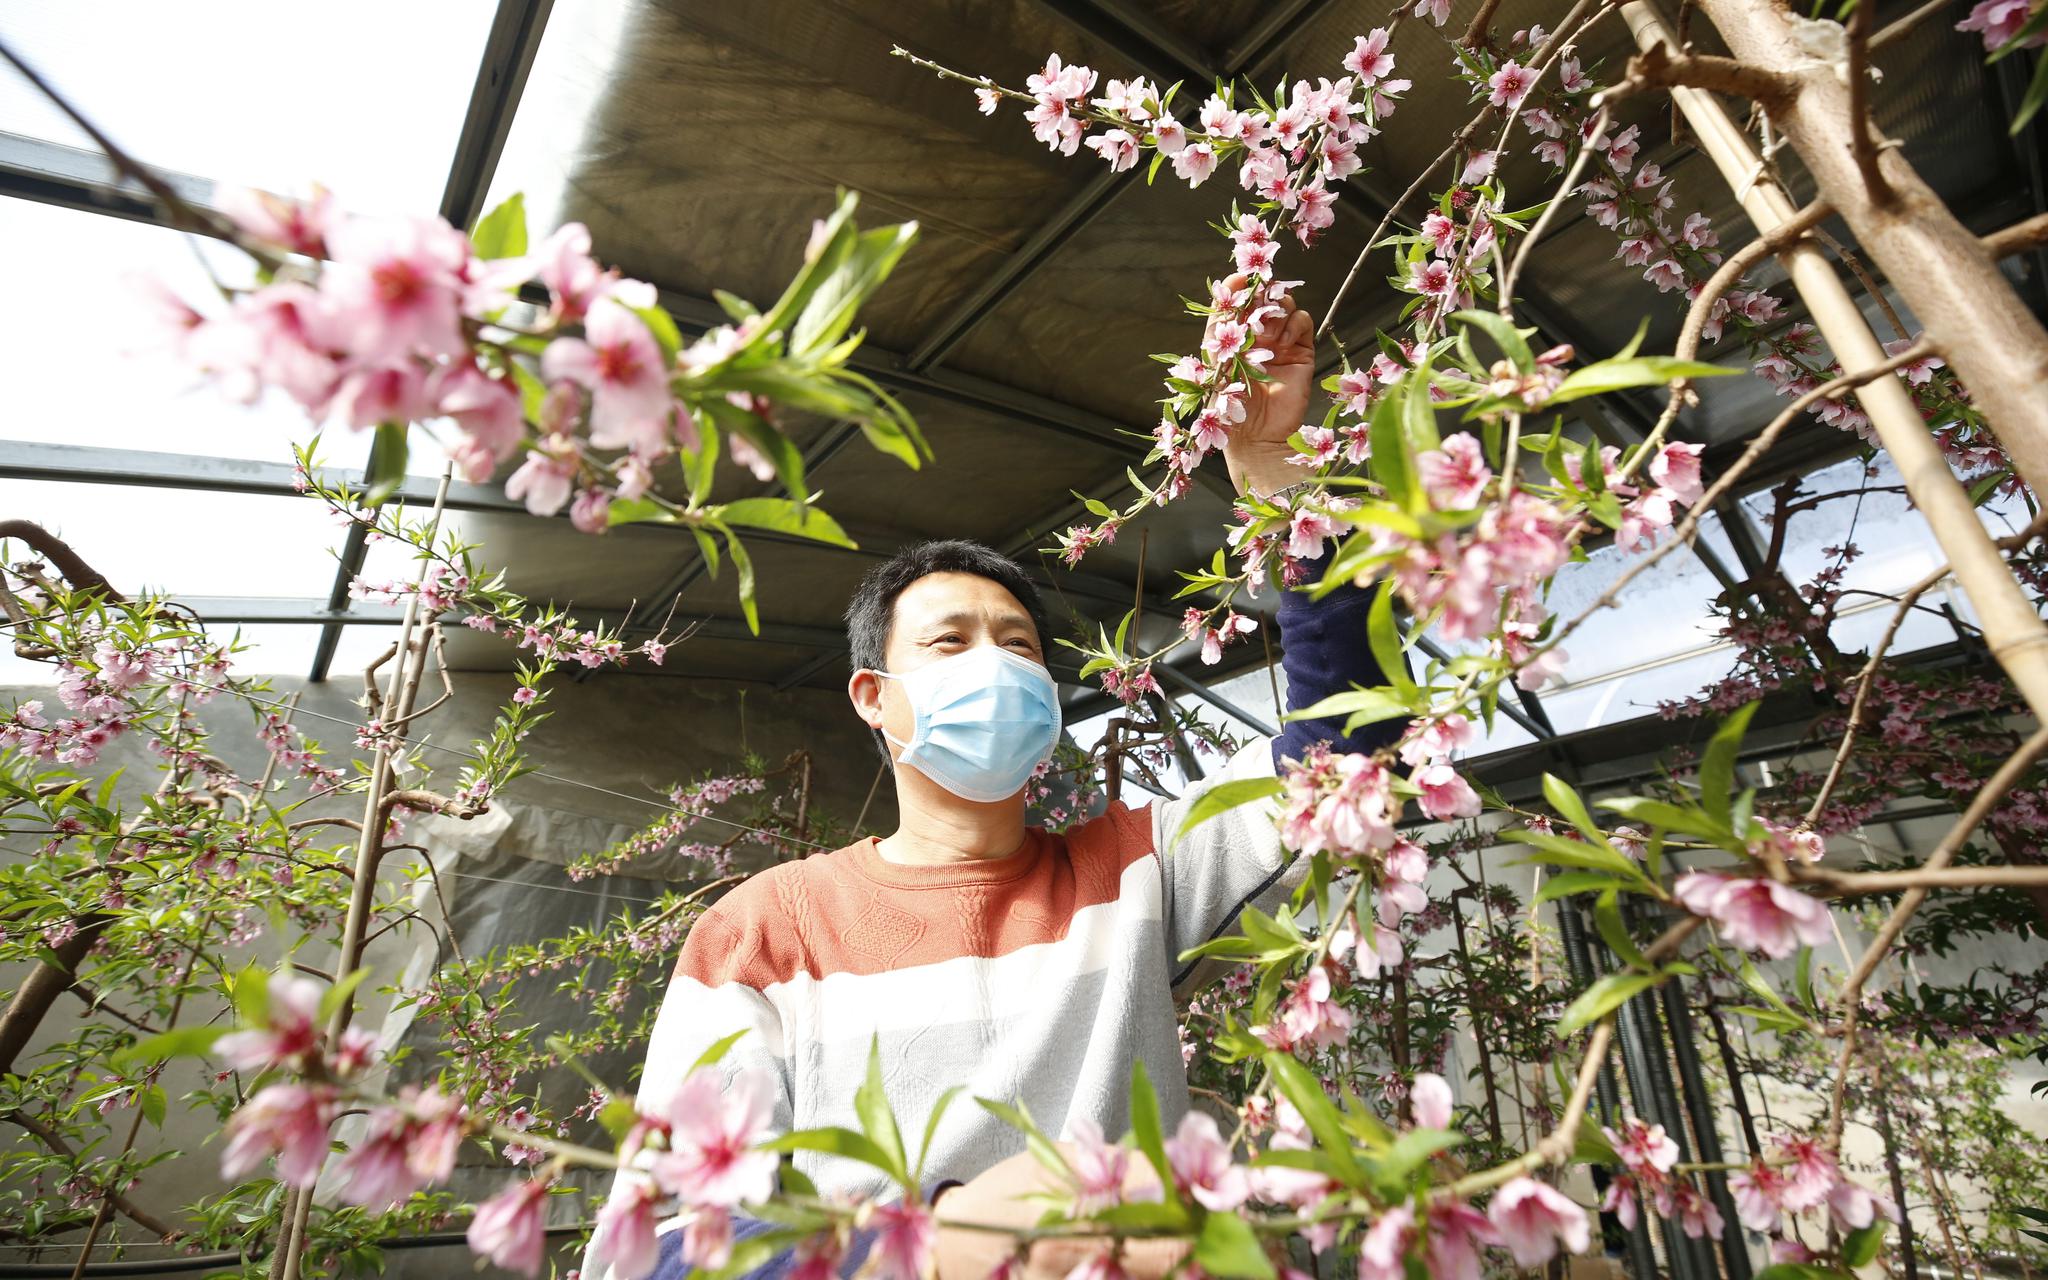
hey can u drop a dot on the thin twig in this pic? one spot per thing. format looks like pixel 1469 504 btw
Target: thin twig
pixel 1981 805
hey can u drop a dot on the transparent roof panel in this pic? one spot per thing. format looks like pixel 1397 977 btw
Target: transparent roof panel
pixel 142 397
pixel 374 117
pixel 199 544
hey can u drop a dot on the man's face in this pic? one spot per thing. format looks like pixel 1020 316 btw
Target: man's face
pixel 937 616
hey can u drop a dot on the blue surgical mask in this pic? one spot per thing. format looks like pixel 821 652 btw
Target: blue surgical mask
pixel 986 719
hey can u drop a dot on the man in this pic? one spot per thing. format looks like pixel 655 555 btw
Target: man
pixel 1025 966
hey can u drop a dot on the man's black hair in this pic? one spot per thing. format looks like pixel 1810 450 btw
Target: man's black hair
pixel 872 612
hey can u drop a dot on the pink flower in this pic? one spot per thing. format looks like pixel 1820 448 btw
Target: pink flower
pixel 817 1257
pixel 1444 793
pixel 591 512
pixel 1645 1149
pixel 1194 163
pixel 402 1152
pixel 1103 1266
pixel 1377 950
pixel 1812 1171
pixel 707 1238
pixel 1510 84
pixel 1369 59
pixel 1620 1200
pixel 904 1237
pixel 1117 146
pixel 1307 531
pixel 1455 475
pixel 1759 1194
pixel 289 1033
pixel 1999 21
pixel 1533 1219
pixel 1666 275
pixel 1099 1168
pixel 487 410
pixel 509 1228
pixel 1479 165
pixel 372 394
pixel 287 1120
pixel 624 1238
pixel 621 365
pixel 575 281
pixel 1677 468
pixel 1383 1250
pixel 1696 1214
pixel 714 1129
pixel 1437 11
pixel 1854 1208
pixel 1201 1165
pixel 1920 372
pixel 546 478
pixel 1457 1232
pixel 394 286
pixel 1431 278
pixel 1310 1016
pixel 987 100
pixel 1756 914
pixel 1429 1100
pixel 296 226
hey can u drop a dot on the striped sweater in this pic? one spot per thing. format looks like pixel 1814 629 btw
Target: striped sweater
pixel 1038 977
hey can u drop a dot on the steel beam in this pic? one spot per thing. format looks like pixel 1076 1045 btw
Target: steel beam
pixel 509 50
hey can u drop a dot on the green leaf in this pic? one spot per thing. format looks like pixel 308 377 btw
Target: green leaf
pixel 1142 1215
pixel 1568 805
pixel 838 1142
pixel 785 515
pixel 771 444
pixel 1228 1247
pixel 184 1042
pixel 501 233
pixel 1391 1168
pixel 1558 851
pixel 931 1127
pixel 618 1116
pixel 1770 1019
pixel 1633 371
pixel 1390 462
pixel 1323 1119
pixel 1592 1146
pixel 1614 932
pixel 1385 640
pixel 1145 1126
pixel 829 312
pixel 154 1102
pixel 385 472
pixel 743 568
pixel 713 1055
pixel 1602 998
pixel 1363 706
pixel 1656 813
pixel 1225 796
pixel 1861 1246
pixel 1567 883
pixel 1019 1118
pixel 1505 336
pixel 871 1104
pixel 663 326
pixel 333 997
pixel 1717 764
pixel 1418 412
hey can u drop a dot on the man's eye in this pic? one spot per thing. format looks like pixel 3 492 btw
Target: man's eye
pixel 1022 643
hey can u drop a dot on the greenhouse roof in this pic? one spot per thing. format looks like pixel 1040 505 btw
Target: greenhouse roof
pixel 698 142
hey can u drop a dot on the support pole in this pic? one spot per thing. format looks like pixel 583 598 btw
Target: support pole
pixel 2012 629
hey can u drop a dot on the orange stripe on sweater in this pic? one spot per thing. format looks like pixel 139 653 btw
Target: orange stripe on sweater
pixel 851 911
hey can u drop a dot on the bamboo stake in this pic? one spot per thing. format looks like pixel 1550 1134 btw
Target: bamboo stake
pixel 2012 628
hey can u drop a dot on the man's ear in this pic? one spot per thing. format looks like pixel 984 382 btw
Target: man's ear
pixel 864 690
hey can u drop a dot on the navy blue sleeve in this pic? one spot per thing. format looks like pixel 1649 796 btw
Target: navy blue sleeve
pixel 1323 650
